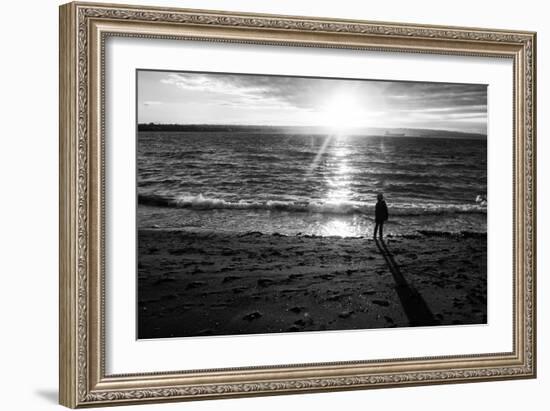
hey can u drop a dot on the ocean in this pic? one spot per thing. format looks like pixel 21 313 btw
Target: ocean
pixel 302 184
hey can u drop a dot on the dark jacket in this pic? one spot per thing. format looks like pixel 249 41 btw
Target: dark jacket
pixel 381 211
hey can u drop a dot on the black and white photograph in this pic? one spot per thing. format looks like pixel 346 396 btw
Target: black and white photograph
pixel 280 204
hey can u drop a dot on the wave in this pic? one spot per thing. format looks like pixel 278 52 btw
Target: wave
pixel 200 202
pixel 416 234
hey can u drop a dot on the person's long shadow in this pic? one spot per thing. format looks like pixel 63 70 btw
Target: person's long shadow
pixel 416 309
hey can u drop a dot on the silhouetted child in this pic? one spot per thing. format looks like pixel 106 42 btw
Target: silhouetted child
pixel 380 215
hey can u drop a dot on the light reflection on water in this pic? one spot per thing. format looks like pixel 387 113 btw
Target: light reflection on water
pixel 341 228
pixel 334 174
pixel 358 225
pixel 338 194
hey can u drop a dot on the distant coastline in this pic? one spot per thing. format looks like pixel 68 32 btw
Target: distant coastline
pixel 254 128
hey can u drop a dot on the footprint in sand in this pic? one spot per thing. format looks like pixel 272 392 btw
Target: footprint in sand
pixel 382 303
pixel 177 252
pixel 345 314
pixel 195 284
pixel 264 282
pixel 164 280
pixel 230 278
pixel 252 316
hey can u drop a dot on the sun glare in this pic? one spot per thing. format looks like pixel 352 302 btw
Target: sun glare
pixel 342 113
pixel 339 228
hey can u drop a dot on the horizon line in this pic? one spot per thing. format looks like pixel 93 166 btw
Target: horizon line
pixel 310 126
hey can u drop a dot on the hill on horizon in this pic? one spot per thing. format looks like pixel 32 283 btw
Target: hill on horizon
pixel 370 131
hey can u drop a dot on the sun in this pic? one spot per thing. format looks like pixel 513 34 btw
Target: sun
pixel 342 113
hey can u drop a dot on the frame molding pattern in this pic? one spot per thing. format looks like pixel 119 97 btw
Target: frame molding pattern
pixel 77 389
pixel 311 385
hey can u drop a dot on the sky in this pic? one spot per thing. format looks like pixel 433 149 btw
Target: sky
pixel 339 104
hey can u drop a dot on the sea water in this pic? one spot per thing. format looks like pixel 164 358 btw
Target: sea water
pixel 309 184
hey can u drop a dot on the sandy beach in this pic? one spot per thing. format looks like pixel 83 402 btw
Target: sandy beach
pixel 197 283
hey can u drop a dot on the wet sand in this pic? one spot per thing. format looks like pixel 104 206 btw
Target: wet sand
pixel 192 284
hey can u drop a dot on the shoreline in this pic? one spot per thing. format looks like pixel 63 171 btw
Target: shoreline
pixel 298 223
pixel 193 283
pixel 390 236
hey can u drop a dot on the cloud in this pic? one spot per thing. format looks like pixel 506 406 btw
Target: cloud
pixel 309 93
pixel 437 95
pixel 236 90
pixel 263 99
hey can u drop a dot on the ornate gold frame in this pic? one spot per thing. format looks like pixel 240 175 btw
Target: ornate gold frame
pixel 83 30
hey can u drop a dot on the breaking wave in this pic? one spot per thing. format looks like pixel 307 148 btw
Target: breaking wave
pixel 199 202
